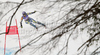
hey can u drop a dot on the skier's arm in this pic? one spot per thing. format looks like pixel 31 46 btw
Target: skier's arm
pixel 31 13
pixel 21 22
pixel 21 19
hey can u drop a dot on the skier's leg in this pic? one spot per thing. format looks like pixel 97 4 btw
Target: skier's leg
pixel 33 20
pixel 30 22
pixel 33 25
pixel 41 24
pixel 27 22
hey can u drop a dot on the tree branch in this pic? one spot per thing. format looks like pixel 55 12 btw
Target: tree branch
pixel 13 15
pixel 88 40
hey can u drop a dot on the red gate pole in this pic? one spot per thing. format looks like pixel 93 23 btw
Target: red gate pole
pixel 19 42
pixel 18 36
pixel 15 31
pixel 5 45
pixel 5 40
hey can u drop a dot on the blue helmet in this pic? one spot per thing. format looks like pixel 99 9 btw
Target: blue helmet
pixel 24 13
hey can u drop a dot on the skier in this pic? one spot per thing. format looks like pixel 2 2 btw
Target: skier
pixel 29 20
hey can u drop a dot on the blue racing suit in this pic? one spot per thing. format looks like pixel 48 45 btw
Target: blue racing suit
pixel 29 20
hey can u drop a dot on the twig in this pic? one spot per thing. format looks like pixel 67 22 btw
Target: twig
pixel 88 40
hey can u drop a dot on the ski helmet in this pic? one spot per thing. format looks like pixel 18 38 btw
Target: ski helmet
pixel 24 13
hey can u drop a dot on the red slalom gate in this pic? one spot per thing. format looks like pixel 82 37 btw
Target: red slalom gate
pixel 12 31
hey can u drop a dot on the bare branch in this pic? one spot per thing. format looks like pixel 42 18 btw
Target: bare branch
pixel 93 53
pixel 14 14
pixel 89 40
